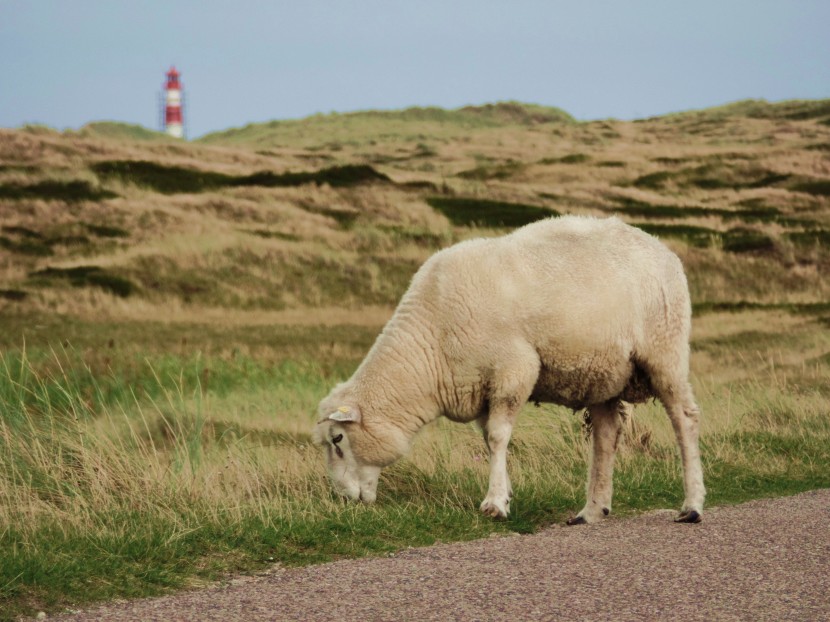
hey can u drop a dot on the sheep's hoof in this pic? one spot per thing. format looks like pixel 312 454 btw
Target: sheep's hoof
pixel 689 516
pixel 576 520
pixel 492 509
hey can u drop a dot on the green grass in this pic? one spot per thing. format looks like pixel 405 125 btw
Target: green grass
pixel 152 457
pixel 121 346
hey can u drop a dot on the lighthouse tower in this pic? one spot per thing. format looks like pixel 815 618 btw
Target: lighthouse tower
pixel 173 105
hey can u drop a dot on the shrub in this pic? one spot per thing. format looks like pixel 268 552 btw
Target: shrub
pixel 818 237
pixel 54 190
pixel 700 237
pixel 574 158
pixel 654 181
pixel 336 176
pixel 740 240
pixel 15 295
pixel 164 179
pixel 633 207
pixel 467 212
pixel 26 246
pixel 82 276
pixel 499 171
pixel 175 179
pixel 820 187
pixel 104 231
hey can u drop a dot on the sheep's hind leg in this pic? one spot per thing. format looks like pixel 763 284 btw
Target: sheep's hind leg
pixel 606 424
pixel 685 419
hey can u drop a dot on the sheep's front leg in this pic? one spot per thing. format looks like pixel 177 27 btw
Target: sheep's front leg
pixel 606 424
pixel 497 431
pixel 498 427
pixel 511 387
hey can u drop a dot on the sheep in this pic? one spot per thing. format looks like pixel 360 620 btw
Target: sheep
pixel 577 311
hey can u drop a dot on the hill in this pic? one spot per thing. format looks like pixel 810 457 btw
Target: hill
pixel 121 131
pixel 339 210
pixel 332 130
pixel 796 110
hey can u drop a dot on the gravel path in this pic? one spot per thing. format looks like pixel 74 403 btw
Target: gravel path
pixel 764 560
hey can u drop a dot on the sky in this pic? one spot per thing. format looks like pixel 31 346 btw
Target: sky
pixel 64 63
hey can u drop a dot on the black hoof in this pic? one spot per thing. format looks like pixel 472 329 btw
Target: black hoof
pixel 691 516
pixel 576 520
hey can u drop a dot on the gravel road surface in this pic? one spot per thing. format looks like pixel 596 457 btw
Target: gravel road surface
pixel 763 560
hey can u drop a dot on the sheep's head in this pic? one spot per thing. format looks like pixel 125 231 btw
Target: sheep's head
pixel 351 474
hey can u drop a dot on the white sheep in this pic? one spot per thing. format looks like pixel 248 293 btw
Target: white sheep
pixel 577 311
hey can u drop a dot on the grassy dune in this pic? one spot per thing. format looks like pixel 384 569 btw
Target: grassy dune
pixel 172 312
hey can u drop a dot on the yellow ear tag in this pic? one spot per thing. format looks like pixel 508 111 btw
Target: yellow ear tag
pixel 344 409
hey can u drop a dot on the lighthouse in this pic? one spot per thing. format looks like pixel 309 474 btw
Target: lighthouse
pixel 173 105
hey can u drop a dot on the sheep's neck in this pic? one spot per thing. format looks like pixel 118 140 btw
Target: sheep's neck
pixel 400 376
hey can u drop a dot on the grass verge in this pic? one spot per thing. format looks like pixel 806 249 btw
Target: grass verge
pixel 136 473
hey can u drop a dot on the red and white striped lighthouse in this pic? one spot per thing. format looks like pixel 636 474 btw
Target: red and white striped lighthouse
pixel 173 105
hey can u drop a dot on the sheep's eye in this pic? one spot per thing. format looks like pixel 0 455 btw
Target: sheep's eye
pixel 337 439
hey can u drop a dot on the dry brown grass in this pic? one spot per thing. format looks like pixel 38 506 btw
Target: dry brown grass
pixel 249 240
pixel 751 373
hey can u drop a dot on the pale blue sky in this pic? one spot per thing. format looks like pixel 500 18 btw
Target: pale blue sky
pixel 65 63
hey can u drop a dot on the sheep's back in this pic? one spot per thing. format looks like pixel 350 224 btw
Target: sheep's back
pixel 586 294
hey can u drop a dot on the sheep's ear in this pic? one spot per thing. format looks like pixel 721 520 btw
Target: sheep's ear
pixel 345 414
